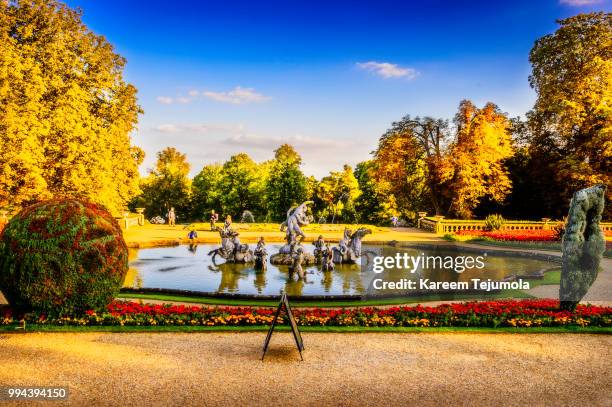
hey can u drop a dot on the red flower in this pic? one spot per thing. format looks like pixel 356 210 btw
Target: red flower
pixel 540 235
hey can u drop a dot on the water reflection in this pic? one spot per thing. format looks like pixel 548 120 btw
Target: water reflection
pixel 190 268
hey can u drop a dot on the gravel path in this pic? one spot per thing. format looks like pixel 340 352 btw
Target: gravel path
pixel 339 369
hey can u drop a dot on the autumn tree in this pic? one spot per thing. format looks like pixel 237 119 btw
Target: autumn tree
pixel 65 110
pixel 411 158
pixel 338 192
pixel 571 121
pixel 167 185
pixel 478 156
pixel 287 185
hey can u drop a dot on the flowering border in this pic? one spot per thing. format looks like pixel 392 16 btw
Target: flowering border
pixel 507 313
pixel 514 235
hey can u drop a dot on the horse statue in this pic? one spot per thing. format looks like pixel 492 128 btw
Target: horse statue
pixel 231 249
pixel 349 248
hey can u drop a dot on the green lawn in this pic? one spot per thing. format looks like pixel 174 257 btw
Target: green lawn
pixel 551 277
pixel 484 241
pixel 324 304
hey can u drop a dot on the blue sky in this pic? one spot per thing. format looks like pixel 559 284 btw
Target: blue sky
pixel 218 78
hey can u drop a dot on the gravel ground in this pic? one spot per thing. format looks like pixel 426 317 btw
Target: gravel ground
pixel 338 369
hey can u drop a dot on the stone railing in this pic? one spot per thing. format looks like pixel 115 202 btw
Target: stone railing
pixel 129 219
pixel 443 226
pixel 128 222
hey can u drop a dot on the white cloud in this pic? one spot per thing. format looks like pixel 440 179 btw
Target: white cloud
pixel 205 143
pixel 298 141
pixel 388 70
pixel 319 155
pixel 169 101
pixel 165 100
pixel 199 128
pixel 237 96
pixel 579 2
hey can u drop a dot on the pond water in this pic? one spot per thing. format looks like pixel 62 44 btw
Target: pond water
pixel 190 268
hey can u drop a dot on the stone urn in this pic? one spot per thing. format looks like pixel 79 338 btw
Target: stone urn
pixel 421 217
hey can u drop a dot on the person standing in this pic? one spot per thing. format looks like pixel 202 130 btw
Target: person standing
pixel 171 217
pixel 214 217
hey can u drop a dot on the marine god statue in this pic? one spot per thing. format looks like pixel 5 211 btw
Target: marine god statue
pixel 297 217
pixel 583 245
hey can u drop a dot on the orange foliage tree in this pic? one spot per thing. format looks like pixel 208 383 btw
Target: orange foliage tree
pixel 482 145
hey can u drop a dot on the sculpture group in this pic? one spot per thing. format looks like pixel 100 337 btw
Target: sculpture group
pixel 231 249
pixel 292 253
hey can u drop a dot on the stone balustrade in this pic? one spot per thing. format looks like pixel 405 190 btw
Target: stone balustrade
pixel 443 226
pixel 128 220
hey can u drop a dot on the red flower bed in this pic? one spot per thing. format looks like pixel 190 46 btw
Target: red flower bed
pixel 541 235
pixel 513 313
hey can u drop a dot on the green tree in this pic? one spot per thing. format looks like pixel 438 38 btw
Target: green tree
pixel 65 110
pixel 205 192
pixel 375 205
pixel 535 194
pixel 166 186
pixel 571 122
pixel 242 186
pixel 287 187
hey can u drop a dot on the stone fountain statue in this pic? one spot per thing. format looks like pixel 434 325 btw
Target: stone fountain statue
pixel 231 249
pixel 319 245
pixel 296 218
pixel 583 245
pixel 349 248
pixel 261 255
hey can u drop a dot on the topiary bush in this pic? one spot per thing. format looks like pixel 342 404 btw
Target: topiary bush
pixel 62 256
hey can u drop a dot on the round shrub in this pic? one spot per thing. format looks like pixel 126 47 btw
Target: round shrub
pixel 62 256
pixel 494 222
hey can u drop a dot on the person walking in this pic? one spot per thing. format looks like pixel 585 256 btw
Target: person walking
pixel 171 217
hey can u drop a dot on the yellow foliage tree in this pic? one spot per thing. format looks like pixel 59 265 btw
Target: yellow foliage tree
pixel 65 110
pixel 482 144
pixel 572 117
